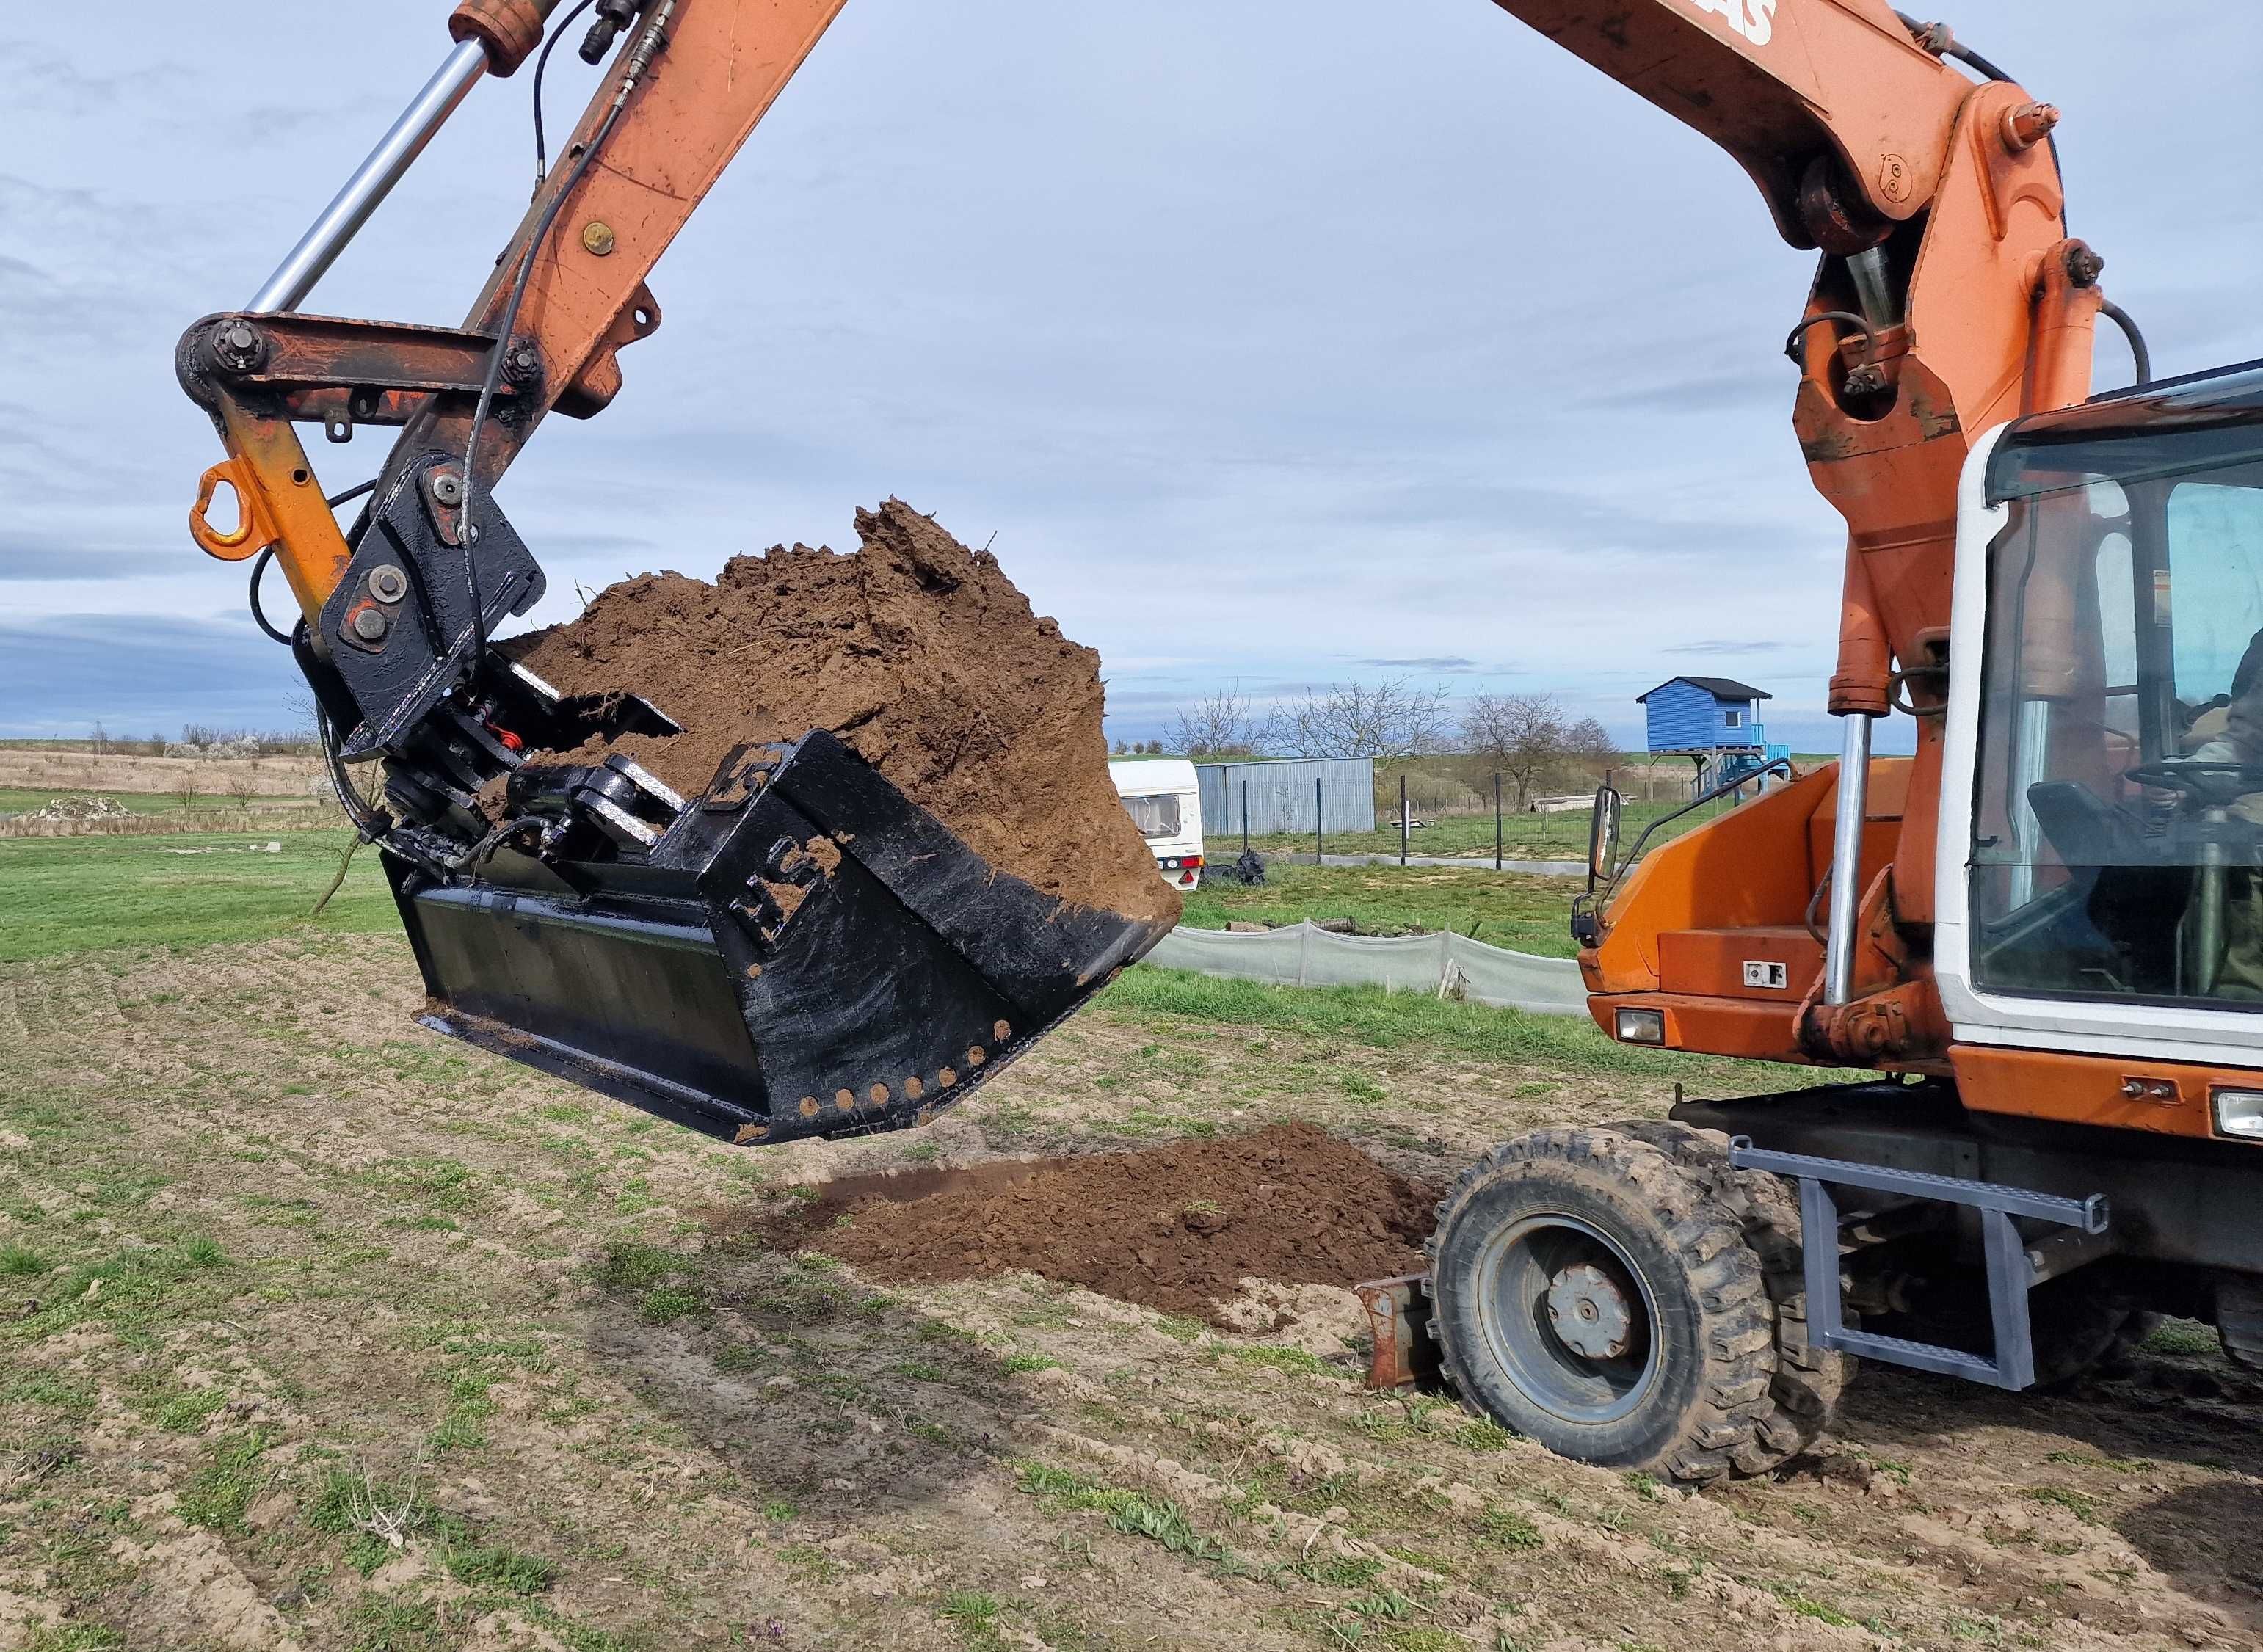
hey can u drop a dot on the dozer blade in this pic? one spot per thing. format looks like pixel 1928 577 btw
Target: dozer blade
pixel 803 951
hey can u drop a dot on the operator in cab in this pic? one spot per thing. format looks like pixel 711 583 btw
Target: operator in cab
pixel 2233 733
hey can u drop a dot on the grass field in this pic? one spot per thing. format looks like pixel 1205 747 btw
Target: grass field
pixel 321 1333
pixel 1523 913
pixel 23 799
pixel 188 889
pixel 1524 837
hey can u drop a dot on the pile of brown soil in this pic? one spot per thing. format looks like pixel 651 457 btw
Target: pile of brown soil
pixel 916 651
pixel 1177 1228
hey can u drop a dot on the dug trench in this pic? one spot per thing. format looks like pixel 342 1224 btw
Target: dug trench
pixel 1186 1229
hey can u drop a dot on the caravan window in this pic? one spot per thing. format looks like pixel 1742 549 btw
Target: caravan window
pixel 1156 816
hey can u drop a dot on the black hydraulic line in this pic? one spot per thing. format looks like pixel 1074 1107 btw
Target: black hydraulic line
pixel 639 59
pixel 2139 354
pixel 267 555
pixel 372 823
pixel 259 566
pixel 1951 47
pixel 541 66
pixel 1863 326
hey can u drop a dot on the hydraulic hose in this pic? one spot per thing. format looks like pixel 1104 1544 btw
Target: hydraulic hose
pixel 2142 357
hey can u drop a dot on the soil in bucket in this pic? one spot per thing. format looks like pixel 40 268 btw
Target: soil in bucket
pixel 917 652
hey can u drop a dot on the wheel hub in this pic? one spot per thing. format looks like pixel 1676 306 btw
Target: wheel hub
pixel 1588 1312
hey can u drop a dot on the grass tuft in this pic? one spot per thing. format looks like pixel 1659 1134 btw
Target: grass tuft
pixel 493 1565
pixel 220 1493
pixel 18 1261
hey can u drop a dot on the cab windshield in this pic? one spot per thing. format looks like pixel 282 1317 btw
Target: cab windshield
pixel 2118 838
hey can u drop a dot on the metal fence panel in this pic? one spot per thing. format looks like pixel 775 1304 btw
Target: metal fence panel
pixel 1280 795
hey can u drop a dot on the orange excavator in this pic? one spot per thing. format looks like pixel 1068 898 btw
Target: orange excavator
pixel 2042 933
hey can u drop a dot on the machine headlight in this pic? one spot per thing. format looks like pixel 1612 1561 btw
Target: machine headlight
pixel 2238 1113
pixel 1648 1027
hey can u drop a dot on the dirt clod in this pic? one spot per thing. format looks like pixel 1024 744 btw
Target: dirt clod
pixel 1177 1228
pixel 918 653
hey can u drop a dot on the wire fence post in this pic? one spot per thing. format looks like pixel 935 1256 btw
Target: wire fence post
pixel 1320 830
pixel 1496 820
pixel 1402 820
pixel 1245 817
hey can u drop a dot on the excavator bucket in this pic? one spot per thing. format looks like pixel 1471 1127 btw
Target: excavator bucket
pixel 801 951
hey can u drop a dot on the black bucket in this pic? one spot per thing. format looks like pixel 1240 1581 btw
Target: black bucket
pixel 804 951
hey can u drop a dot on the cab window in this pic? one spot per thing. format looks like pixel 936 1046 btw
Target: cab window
pixel 2118 837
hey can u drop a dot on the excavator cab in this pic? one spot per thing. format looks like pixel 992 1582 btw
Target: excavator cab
pixel 2117 826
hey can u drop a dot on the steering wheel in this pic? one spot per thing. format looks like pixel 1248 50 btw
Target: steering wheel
pixel 2212 783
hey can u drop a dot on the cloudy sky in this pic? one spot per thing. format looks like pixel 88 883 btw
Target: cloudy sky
pixel 1273 346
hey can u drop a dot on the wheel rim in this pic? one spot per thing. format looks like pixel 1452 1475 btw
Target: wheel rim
pixel 1569 1317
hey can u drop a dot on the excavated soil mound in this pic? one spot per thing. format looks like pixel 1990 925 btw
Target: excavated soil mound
pixel 915 649
pixel 1177 1228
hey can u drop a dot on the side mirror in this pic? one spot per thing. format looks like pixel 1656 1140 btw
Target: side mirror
pixel 1603 837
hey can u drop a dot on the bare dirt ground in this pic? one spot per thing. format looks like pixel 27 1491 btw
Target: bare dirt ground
pixel 113 771
pixel 318 1331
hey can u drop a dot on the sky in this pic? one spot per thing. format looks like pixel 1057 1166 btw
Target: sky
pixel 1266 347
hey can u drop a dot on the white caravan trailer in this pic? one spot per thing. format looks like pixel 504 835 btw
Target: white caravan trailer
pixel 1165 803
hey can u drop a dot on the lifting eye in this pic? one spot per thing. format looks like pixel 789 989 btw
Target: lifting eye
pixel 225 500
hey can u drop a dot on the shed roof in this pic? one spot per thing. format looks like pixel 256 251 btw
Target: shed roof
pixel 1719 687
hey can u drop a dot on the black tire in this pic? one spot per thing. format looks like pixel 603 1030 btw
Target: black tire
pixel 2079 1325
pixel 1686 1398
pixel 1808 1382
pixel 2079 1328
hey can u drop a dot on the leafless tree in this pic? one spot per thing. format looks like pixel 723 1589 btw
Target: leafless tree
pixel 1387 719
pixel 1217 725
pixel 1590 742
pixel 1523 735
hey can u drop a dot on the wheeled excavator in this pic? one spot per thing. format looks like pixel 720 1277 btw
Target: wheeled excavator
pixel 2042 935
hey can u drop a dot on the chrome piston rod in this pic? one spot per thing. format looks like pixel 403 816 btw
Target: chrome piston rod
pixel 371 182
pixel 1847 858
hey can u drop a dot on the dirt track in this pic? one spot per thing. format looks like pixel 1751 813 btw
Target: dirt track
pixel 348 1269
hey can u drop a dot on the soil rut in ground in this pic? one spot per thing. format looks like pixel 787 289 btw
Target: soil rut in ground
pixel 1177 1228
pixel 917 652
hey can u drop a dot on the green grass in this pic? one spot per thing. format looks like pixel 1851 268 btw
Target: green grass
pixel 1134 1513
pixel 1368 1015
pixel 19 1261
pixel 1524 913
pixel 222 1492
pixel 1524 837
pixel 23 799
pixel 65 895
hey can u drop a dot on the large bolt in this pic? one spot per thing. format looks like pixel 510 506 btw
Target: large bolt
pixel 448 489
pixel 522 364
pixel 598 238
pixel 2084 266
pixel 238 346
pixel 2029 124
pixel 387 583
pixel 369 623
